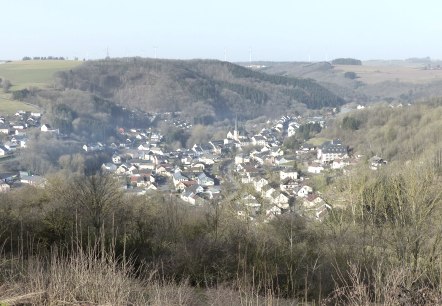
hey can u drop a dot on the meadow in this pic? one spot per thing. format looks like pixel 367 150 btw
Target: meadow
pixel 399 73
pixel 27 74
pixel 10 107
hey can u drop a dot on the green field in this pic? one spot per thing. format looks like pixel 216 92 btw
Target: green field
pixel 10 107
pixel 25 74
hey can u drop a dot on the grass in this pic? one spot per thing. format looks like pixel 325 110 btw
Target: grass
pixel 94 276
pixel 382 73
pixel 24 74
pixel 10 107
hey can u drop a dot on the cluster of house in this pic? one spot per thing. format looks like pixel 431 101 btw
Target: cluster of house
pixel 189 173
pixel 15 180
pixel 288 191
pixel 15 128
pixel 195 176
pixel 147 167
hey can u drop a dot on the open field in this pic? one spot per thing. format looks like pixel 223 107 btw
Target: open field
pixel 10 107
pixel 377 74
pixel 23 74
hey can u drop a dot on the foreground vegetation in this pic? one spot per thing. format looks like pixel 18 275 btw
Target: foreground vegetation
pixel 382 244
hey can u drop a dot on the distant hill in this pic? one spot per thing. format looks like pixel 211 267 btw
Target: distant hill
pixel 207 89
pixel 375 81
pixel 323 72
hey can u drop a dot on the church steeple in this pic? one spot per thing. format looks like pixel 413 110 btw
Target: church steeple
pixel 235 132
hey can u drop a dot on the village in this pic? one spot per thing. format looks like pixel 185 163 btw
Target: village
pixel 266 178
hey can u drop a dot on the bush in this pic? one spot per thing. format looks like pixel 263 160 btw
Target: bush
pixel 350 75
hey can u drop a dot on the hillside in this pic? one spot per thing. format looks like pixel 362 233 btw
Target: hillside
pixel 28 74
pixel 206 89
pixel 374 81
pixel 38 73
pixel 396 134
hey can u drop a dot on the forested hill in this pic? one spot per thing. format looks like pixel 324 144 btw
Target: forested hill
pixel 206 88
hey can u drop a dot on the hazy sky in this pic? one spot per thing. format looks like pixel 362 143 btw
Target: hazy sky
pixel 277 30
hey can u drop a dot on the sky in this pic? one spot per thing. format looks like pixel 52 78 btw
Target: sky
pixel 277 30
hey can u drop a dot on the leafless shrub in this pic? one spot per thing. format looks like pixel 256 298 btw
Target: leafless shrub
pixel 399 286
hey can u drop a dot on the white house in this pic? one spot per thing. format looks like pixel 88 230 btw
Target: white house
pixel 281 199
pixel 45 128
pixel 91 148
pixel 204 180
pixel 288 173
pixel 291 130
pixel 305 191
pixel 143 147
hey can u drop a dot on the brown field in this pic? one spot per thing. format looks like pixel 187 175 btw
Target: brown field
pixel 377 74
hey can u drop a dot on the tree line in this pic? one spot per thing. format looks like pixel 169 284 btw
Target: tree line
pixel 43 58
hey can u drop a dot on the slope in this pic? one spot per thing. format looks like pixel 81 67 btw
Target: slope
pixel 207 89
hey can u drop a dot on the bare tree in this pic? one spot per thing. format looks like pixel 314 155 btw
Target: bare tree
pixel 6 84
pixel 96 197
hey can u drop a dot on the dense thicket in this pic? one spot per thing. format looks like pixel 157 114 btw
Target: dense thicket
pixel 172 85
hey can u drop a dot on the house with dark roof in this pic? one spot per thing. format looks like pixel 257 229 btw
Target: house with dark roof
pixel 4 128
pixel 331 150
pixel 3 150
pixel 204 180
